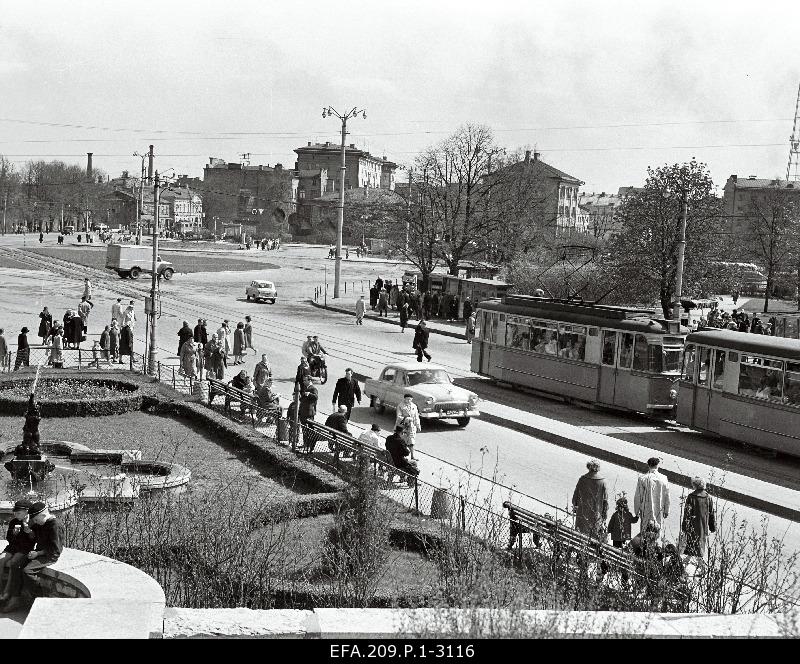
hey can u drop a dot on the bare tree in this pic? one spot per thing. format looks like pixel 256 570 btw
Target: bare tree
pixel 772 223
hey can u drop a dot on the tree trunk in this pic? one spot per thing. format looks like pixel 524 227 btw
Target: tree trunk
pixel 768 291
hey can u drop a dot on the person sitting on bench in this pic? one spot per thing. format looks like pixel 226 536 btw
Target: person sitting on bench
pixel 400 452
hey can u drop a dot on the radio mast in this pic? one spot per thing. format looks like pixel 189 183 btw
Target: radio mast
pixel 793 167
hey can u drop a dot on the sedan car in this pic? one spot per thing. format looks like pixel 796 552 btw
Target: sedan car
pixel 432 388
pixel 261 290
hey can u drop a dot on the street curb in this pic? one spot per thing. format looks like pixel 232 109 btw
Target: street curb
pixel 746 500
pixel 381 319
pixel 680 479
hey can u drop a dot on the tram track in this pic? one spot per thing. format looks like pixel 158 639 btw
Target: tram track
pixel 371 355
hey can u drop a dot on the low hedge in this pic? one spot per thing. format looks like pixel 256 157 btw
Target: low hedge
pixel 127 398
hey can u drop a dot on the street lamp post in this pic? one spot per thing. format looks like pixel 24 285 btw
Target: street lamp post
pixel 140 200
pixel 326 113
pixel 151 355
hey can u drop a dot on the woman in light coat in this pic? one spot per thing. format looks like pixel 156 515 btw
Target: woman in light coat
pixel 408 418
pixel 56 356
pixel 188 358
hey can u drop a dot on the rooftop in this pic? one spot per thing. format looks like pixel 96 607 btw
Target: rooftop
pixel 336 148
pixel 753 182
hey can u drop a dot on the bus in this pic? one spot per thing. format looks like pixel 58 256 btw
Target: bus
pixel 616 357
pixel 745 387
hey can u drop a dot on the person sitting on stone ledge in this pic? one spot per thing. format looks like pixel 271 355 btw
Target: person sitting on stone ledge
pixel 20 543
pixel 48 531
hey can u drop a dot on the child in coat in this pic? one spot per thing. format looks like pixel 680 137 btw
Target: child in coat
pixel 620 523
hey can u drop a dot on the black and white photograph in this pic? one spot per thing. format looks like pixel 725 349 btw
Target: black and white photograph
pixel 399 328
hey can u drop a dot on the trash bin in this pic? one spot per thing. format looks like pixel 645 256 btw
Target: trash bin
pixel 441 504
pixel 283 430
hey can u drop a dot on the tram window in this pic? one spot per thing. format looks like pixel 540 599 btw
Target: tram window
pixel 761 378
pixel 640 353
pixel 688 363
pixel 517 334
pixel 791 384
pixel 609 347
pixel 572 342
pixel 670 358
pixel 705 366
pixel 626 351
pixel 719 369
pixel 490 333
pixel 544 338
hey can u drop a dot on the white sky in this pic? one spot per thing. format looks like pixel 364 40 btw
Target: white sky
pixel 552 75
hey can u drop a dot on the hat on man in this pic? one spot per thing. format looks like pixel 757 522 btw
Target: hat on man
pixel 375 427
pixel 22 505
pixel 37 508
pixel 25 330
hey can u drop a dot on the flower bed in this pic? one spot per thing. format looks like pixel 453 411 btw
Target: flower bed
pixel 70 397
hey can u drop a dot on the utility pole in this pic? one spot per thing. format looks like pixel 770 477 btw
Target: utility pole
pixel 151 355
pixel 326 113
pixel 408 210
pixel 5 205
pixel 676 307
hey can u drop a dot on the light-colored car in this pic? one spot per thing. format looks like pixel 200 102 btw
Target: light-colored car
pixel 261 290
pixel 432 388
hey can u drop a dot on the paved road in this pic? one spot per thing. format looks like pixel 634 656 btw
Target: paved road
pixel 522 462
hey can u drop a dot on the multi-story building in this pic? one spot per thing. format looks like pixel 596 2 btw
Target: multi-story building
pixel 741 195
pixel 363 169
pixel 185 209
pixel 554 193
pixel 599 210
pixel 260 198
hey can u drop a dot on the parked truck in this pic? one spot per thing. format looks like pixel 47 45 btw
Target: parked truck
pixel 131 260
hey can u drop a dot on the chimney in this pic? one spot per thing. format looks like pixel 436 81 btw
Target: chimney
pixel 527 156
pixel 327 143
pixel 89 165
pixel 309 144
pixel 353 146
pixel 536 155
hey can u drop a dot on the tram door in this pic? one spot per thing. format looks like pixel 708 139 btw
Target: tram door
pixel 607 384
pixel 702 391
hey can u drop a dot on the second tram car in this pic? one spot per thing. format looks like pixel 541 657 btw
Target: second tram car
pixel 745 387
pixel 611 356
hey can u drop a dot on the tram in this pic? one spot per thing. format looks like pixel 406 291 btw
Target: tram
pixel 742 386
pixel 616 357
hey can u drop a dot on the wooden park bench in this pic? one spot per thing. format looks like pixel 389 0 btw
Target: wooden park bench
pixel 346 449
pixel 247 402
pixel 562 536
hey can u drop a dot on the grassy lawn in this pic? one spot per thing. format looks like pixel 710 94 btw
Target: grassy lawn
pixel 756 305
pixel 161 438
pixel 96 258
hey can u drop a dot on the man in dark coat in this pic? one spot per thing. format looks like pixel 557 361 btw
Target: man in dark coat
pixel 590 502
pixel 698 521
pixel 303 372
pixel 399 450
pixel 373 298
pixel 421 341
pixel 125 342
pixel 308 400
pixel 23 350
pixel 184 334
pixel 200 332
pixel 46 324
pixel 346 392
pixel 338 420
pixel 467 308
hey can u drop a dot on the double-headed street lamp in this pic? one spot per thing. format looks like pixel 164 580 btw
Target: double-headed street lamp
pixel 140 200
pixel 326 113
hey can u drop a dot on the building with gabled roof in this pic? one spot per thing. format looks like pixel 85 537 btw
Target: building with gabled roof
pixel 558 194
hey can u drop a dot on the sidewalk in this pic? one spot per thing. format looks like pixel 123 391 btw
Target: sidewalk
pixel 348 306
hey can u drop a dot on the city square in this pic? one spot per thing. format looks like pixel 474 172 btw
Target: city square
pixel 363 392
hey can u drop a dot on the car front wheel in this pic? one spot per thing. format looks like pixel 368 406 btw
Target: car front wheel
pixel 462 421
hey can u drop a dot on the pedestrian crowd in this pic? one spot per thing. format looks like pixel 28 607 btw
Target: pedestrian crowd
pixel 738 321
pixel 650 509
pixel 71 330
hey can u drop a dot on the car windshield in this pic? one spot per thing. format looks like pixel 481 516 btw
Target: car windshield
pixel 264 284
pixel 437 376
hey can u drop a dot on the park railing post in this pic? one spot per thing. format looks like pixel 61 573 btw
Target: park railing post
pixel 79 358
pixel 416 496
pixel 173 377
pixel 158 365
